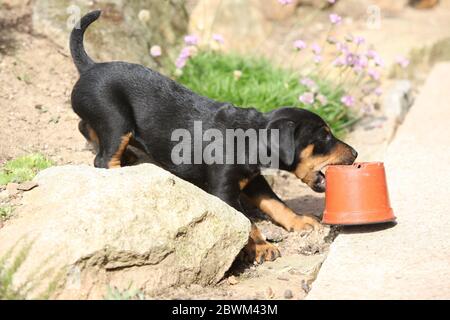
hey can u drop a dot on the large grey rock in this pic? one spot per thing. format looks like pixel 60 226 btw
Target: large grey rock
pixel 139 226
pixel 126 30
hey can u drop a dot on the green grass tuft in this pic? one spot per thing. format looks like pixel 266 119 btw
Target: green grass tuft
pixel 115 293
pixel 6 211
pixel 261 85
pixel 23 168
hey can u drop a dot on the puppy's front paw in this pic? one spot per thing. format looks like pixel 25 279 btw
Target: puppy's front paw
pixel 261 251
pixel 304 223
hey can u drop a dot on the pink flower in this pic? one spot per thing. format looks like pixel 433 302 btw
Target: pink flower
pixel 317 59
pixel 402 61
pixel 180 62
pixel 191 40
pixel 331 1
pixel 342 47
pixel 285 2
pixel 350 59
pixel 307 98
pixel 348 100
pixel 299 44
pixel 185 52
pixel 378 91
pixel 310 84
pixel 359 40
pixel 363 61
pixel 372 54
pixel 183 57
pixel 339 62
pixel 155 51
pixel 335 18
pixel 322 99
pixel 374 74
pixel 316 49
pixel 218 38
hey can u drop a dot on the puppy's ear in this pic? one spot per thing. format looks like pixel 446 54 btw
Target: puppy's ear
pixel 284 147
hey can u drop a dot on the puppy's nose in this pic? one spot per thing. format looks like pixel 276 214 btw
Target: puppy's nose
pixel 354 153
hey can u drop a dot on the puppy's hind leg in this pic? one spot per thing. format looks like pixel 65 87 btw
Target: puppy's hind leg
pixel 89 134
pixel 115 131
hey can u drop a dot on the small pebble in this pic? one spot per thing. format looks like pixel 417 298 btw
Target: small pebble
pixel 282 278
pixel 305 286
pixel 232 280
pixel 288 294
pixel 269 293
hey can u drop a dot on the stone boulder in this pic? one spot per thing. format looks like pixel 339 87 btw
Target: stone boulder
pixel 93 229
pixel 243 24
pixel 125 31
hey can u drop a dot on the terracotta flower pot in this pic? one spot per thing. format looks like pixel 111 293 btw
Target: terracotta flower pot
pixel 357 194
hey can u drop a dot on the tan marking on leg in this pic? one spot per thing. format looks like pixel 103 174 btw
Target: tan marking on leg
pixel 283 215
pixel 259 250
pixel 115 160
pixel 243 183
pixel 93 137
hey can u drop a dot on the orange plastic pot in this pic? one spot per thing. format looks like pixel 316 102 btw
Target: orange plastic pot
pixel 357 194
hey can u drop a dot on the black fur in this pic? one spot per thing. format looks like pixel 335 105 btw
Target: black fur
pixel 117 98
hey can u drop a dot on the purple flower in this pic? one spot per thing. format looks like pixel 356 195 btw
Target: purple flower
pixel 185 53
pixel 348 100
pixel 402 61
pixel 316 49
pixel 299 44
pixel 339 62
pixel 285 2
pixel 371 54
pixel 307 98
pixel 342 47
pixel 191 40
pixel 359 40
pixel 308 82
pixel 374 74
pixel 350 59
pixel 155 51
pixel 183 57
pixel 322 99
pixel 218 38
pixel 335 18
pixel 362 61
pixel 180 62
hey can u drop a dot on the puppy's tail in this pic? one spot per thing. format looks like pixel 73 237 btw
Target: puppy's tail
pixel 80 58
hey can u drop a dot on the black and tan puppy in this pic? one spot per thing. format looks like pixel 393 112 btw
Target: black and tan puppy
pixel 123 104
